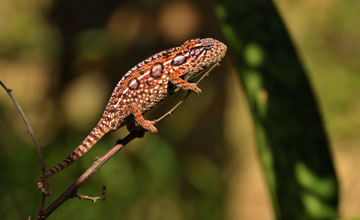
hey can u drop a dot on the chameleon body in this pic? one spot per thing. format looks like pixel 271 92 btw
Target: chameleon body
pixel 147 84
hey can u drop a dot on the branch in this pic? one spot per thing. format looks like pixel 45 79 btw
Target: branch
pixel 31 132
pixel 27 123
pixel 71 191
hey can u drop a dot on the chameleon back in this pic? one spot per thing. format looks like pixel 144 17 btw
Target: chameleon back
pixel 147 83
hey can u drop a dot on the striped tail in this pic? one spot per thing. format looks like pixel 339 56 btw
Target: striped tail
pixel 95 135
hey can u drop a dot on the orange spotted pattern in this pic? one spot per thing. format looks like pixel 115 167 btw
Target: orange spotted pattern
pixel 147 84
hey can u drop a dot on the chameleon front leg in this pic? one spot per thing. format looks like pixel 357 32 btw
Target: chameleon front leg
pixel 146 124
pixel 182 84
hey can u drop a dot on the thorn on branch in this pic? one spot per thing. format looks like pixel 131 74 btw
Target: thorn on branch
pixel 92 198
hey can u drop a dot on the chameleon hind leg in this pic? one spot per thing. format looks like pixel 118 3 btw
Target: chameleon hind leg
pixel 146 124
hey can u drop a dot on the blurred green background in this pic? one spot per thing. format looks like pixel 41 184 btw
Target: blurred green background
pixel 63 58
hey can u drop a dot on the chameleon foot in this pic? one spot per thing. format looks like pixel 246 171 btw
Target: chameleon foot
pixel 193 87
pixel 149 125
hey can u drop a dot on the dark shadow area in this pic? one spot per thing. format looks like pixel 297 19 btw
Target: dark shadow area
pixel 71 18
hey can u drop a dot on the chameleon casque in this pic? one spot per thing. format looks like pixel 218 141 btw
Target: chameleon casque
pixel 144 86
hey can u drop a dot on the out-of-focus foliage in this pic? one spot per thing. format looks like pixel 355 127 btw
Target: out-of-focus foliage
pixel 63 58
pixel 292 142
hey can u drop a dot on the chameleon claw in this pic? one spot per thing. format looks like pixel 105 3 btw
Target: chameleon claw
pixel 149 125
pixel 190 86
pixel 193 87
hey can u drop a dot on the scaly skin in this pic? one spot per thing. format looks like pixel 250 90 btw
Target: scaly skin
pixel 144 86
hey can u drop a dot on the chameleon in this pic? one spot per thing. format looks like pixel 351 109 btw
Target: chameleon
pixel 144 87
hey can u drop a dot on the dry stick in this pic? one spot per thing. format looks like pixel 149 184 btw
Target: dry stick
pixel 27 123
pixel 71 191
pixel 31 132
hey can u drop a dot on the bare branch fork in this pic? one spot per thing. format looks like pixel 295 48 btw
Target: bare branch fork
pixel 71 191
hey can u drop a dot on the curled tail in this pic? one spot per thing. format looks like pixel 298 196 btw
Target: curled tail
pixel 95 135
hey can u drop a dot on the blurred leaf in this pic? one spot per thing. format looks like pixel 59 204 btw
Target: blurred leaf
pixel 292 142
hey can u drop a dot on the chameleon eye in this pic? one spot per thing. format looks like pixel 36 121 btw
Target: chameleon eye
pixel 178 60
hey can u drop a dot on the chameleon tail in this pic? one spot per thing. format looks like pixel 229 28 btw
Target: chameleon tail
pixel 95 135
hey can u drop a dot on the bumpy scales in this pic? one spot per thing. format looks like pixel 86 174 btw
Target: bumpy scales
pixel 145 86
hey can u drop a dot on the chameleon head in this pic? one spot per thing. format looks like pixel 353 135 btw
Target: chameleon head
pixel 201 54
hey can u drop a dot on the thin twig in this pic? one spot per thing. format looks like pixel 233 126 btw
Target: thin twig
pixel 30 131
pixel 27 123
